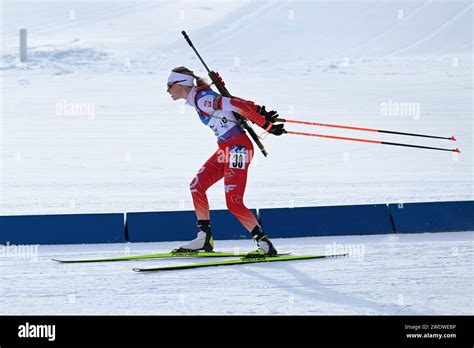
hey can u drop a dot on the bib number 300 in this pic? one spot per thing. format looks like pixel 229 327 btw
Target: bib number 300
pixel 238 157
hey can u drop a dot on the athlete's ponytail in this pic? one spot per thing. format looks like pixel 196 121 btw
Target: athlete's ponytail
pixel 200 81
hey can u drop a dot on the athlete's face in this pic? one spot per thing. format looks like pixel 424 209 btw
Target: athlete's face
pixel 177 91
pixel 172 90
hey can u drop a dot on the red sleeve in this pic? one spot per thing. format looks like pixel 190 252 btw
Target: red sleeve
pixel 245 108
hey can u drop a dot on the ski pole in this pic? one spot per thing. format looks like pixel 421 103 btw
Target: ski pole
pixel 364 129
pixel 370 141
pixel 223 90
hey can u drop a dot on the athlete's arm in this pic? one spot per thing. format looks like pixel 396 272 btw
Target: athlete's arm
pixel 212 102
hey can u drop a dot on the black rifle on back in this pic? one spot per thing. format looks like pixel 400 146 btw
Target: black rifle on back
pixel 223 90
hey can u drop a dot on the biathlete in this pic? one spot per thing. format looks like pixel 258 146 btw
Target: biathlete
pixel 231 160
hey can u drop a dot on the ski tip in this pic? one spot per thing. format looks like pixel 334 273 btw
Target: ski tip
pixel 55 260
pixel 453 138
pixel 457 150
pixel 137 269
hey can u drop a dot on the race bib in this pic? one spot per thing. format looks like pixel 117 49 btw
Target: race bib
pixel 237 157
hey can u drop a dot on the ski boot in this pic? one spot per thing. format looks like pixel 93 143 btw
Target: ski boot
pixel 265 247
pixel 203 241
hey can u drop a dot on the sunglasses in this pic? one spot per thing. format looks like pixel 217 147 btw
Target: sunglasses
pixel 170 84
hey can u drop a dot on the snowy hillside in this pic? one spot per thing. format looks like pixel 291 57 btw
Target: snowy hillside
pixel 126 146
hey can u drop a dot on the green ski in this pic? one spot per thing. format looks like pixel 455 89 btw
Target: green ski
pixel 171 254
pixel 241 261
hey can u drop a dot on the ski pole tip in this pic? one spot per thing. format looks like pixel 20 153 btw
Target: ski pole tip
pixel 453 138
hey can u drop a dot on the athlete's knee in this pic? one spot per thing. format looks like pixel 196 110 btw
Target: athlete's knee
pixel 194 185
pixel 235 203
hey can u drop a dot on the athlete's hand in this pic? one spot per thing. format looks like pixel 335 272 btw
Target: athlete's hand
pixel 275 129
pixel 270 116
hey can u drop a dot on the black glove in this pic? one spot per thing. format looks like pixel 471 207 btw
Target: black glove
pixel 275 129
pixel 270 116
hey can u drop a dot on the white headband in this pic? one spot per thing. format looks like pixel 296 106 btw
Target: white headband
pixel 184 80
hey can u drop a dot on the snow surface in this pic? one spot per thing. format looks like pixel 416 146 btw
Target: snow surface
pixel 417 274
pixel 131 148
